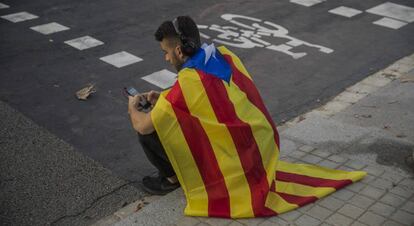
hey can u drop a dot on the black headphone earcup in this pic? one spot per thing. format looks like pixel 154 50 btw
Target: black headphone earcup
pixel 189 50
pixel 188 46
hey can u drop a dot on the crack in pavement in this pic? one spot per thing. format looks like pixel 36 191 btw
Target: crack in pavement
pixel 93 203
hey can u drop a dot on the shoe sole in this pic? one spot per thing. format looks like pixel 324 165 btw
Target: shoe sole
pixel 156 192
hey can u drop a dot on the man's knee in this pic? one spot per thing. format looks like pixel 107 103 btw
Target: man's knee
pixel 146 138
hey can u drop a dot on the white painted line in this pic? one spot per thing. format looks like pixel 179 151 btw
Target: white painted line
pixel 19 17
pixel 84 42
pixel 3 6
pixel 399 12
pixel 204 36
pixel 163 79
pixel 121 59
pixel 49 28
pixel 345 11
pixel 306 3
pixel 390 23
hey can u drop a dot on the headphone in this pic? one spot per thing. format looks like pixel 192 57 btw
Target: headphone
pixel 188 46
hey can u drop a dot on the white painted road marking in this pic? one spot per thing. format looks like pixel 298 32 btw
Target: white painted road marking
pixel 307 3
pixel 49 28
pixel 84 42
pixel 163 79
pixel 395 16
pixel 248 32
pixel 3 6
pixel 345 11
pixel 390 23
pixel 19 17
pixel 121 59
pixel 399 12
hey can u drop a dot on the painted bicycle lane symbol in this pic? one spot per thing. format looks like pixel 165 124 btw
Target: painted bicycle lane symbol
pixel 251 34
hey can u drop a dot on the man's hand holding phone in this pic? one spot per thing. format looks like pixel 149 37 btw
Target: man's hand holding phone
pixel 143 102
pixel 135 102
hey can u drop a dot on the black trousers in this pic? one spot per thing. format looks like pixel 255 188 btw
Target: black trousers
pixel 156 154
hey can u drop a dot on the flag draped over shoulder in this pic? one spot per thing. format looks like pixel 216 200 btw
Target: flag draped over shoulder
pixel 224 146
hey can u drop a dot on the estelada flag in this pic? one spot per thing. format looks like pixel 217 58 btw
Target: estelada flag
pixel 224 146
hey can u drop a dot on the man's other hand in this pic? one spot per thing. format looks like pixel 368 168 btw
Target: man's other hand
pixel 152 97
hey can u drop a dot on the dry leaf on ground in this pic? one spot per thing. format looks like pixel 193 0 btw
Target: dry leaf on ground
pixel 301 118
pixel 139 206
pixel 84 93
pixel 407 78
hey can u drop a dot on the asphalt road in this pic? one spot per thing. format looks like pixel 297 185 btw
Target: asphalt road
pixel 39 74
pixel 45 181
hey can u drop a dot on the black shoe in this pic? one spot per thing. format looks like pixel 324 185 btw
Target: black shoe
pixel 158 185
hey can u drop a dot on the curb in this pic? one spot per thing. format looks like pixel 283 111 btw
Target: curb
pixel 126 211
pixel 356 92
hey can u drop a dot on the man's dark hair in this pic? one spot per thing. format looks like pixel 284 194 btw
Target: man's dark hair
pixel 186 26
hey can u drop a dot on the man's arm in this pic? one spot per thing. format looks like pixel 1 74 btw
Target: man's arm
pixel 141 121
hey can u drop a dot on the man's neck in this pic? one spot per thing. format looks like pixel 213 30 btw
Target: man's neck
pixel 185 59
pixel 181 66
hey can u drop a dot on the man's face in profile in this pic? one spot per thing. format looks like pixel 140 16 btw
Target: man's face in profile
pixel 172 53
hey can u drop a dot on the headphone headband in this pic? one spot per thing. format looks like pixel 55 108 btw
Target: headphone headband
pixel 189 46
pixel 175 24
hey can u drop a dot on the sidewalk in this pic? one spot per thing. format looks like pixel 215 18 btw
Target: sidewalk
pixel 370 127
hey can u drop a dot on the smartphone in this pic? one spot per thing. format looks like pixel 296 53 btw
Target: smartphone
pixel 131 91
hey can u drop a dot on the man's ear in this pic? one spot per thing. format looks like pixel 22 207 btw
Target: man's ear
pixel 179 52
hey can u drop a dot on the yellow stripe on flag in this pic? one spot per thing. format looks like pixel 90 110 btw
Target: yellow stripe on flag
pixel 237 62
pixel 320 172
pixel 278 204
pixel 302 190
pixel 221 142
pixel 164 119
pixel 262 130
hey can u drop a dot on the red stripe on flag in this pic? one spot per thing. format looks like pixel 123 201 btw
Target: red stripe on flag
pixel 243 139
pixel 248 87
pixel 273 186
pixel 311 181
pixel 202 151
pixel 298 200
